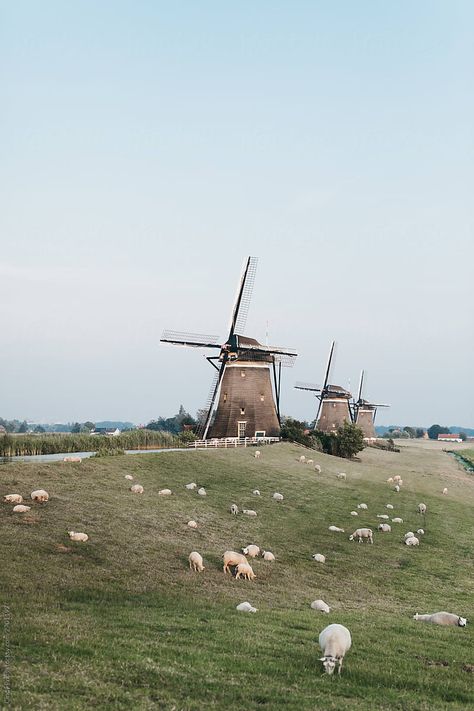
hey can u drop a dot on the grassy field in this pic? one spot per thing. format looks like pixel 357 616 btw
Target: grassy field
pixel 120 622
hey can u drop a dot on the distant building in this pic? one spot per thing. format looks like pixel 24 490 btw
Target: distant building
pixel 106 431
pixel 446 437
pixel 2 430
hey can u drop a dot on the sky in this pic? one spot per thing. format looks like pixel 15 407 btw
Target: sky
pixel 147 148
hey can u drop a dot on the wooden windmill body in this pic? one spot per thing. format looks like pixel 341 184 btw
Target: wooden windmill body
pixel 248 405
pixel 364 413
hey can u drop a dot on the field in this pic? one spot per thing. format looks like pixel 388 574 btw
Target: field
pixel 120 622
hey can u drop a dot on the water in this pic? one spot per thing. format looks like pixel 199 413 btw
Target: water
pixel 84 455
pixel 465 462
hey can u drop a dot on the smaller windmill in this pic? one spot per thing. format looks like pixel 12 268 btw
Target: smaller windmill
pixel 334 401
pixel 365 411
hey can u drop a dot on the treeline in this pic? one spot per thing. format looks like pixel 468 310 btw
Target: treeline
pixel 419 432
pixel 346 442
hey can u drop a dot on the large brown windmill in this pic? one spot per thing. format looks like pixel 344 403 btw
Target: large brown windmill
pixel 334 401
pixel 364 412
pixel 242 386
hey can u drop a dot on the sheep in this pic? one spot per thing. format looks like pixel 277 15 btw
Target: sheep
pixel 246 607
pixel 251 551
pixel 341 476
pixel 420 532
pixel 19 508
pixel 232 558
pixel 202 491
pixel 421 508
pixel 13 499
pixel 80 537
pixel 192 524
pixel 362 533
pixel 409 534
pixel 361 506
pixel 40 495
pixel 319 558
pixel 137 489
pixel 234 509
pixel 383 516
pixel 164 492
pixel 249 512
pixel 310 462
pixel 354 513
pixel 246 570
pixel 191 486
pixel 256 492
pixel 257 454
pixel 384 527
pixel 335 641
pixel 400 482
pixel 442 618
pixel 268 556
pixel 397 519
pixel 317 468
pixel 390 480
pixel 396 488
pixel 320 605
pixel 336 529
pixel 277 496
pixel 388 506
pixel 302 459
pixel 397 478
pixel 196 562
pixel 445 491
pixel 129 477
pixel 412 541
pixel 76 460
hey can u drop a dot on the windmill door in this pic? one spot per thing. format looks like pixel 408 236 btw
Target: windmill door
pixel 241 429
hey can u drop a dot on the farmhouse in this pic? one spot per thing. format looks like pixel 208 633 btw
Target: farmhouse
pixel 446 437
pixel 106 431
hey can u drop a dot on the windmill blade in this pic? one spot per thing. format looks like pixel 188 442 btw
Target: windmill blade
pixel 361 382
pixel 286 360
pixel 213 395
pixel 271 350
pixel 328 368
pixel 195 340
pixel 242 303
pixel 307 386
pixel 320 398
pixel 378 405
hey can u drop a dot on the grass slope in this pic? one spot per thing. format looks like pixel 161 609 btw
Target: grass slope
pixel 120 622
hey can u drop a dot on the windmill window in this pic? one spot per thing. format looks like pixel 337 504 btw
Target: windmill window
pixel 242 410
pixel 242 373
pixel 262 397
pixel 225 397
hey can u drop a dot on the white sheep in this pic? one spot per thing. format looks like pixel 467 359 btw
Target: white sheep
pixel 385 527
pixel 361 506
pixel 400 482
pixel 354 513
pixel 76 460
pixel 256 492
pixel 409 534
pixel 397 519
pixel 336 529
pixel 342 476
pixel 390 480
pixel 383 516
pixel 420 532
pixel 245 570
pixel 249 512
pixel 319 558
pixel 388 506
pixel 421 508
pixel 252 551
pixel 257 454
pixel 129 477
pixel 310 462
pixel 320 605
pixel 13 499
pixel 164 492
pixel 80 537
pixel 335 641
pixel 40 495
pixel 137 489
pixel 362 533
pixel 234 509
pixel 302 459
pixel 192 524
pixel 20 508
pixel 196 562
pixel 202 491
pixel 277 496
pixel 396 488
pixel 317 468
pixel 231 558
pixel 412 541
pixel 442 618
pixel 246 607
pixel 268 556
pixel 397 477
pixel 445 491
pixel 191 486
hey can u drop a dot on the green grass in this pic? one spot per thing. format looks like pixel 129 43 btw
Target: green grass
pixel 121 623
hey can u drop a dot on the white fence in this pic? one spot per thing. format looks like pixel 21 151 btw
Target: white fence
pixel 233 442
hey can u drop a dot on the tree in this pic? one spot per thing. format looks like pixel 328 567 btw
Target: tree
pixel 463 436
pixel 23 427
pixel 436 430
pixel 89 426
pixel 410 431
pixel 349 440
pixel 76 428
pixel 420 432
pixel 39 429
pixel 295 431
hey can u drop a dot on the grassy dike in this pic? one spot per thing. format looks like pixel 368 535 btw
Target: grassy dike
pixel 121 623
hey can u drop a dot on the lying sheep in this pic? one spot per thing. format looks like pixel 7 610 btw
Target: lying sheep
pixel 196 562
pixel 445 491
pixel 388 506
pixel 164 492
pixel 234 509
pixel 245 570
pixel 257 454
pixel 309 461
pixel 400 482
pixel 397 477
pixel 246 607
pixel 420 532
pixel 76 460
pixel 335 641
pixel 251 551
pixel 361 506
pixel 421 508
pixel 302 459
pixel 80 537
pixel 191 486
pixel 342 476
pixel 397 519
pixel 319 558
pixel 129 477
pixel 336 529
pixel 231 558
pixel 137 489
pixel 362 534
pixel 409 534
pixel 202 491
pixel 317 468
pixel 277 496
pixel 412 541
pixel 442 618
pixel 320 605
pixel 268 556
pixel 390 480
pixel 20 508
pixel 13 499
pixel 354 513
pixel 40 495
pixel 384 527
pixel 249 512
pixel 383 516
pixel 192 524
pixel 256 492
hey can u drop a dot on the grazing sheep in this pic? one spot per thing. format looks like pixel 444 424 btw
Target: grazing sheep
pixel 202 491
pixel 335 641
pixel 302 459
pixel 336 529
pixel 388 506
pixel 320 605
pixel 80 537
pixel 246 607
pixel 397 477
pixel 410 534
pixel 384 527
pixel 191 486
pixel 249 512
pixel 362 533
pixel 383 516
pixel 400 482
pixel 137 489
pixel 164 492
pixel 13 498
pixel 421 508
pixel 256 492
pixel 412 541
pixel 40 495
pixel 396 488
pixel 354 513
pixel 251 551
pixel 442 618
pixel 420 532
pixel 196 562
pixel 257 454
pixel 129 477
pixel 397 519
pixel 192 524
pixel 317 468
pixel 76 460
pixel 342 476
pixel 232 558
pixel 390 480
pixel 277 496
pixel 361 506
pixel 319 558
pixel 246 570
pixel 445 491
pixel 268 556
pixel 19 508
pixel 234 509
pixel 309 461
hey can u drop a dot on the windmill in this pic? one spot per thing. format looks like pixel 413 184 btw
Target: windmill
pixel 334 408
pixel 242 385
pixel 364 412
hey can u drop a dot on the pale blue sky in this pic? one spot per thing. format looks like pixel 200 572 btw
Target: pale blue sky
pixel 148 147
